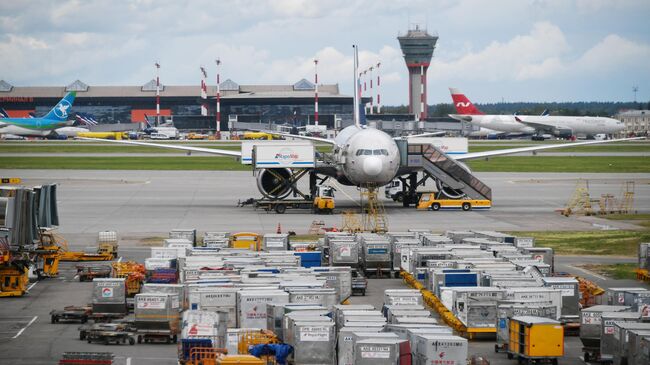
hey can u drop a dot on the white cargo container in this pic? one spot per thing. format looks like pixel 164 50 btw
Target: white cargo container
pixel 213 299
pixel 435 349
pixel 164 253
pixel 284 155
pixel 251 306
pixel 247 148
pixel 347 339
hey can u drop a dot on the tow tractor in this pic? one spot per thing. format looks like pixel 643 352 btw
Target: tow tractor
pixel 433 202
pixel 322 203
pixel 105 252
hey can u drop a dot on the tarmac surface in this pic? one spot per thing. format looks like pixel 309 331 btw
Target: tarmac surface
pixel 141 204
pixel 144 204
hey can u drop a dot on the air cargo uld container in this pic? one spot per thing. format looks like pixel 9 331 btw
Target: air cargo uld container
pixel 570 295
pixel 608 342
pixel 458 236
pixel 413 333
pixel 284 155
pixel 622 339
pixel 177 290
pixel 591 323
pixel 382 351
pixel 188 234
pixel 496 236
pixel 316 343
pixel 402 297
pixel 154 312
pixel 536 338
pixel 339 278
pixel 507 310
pixel 275 242
pixel 451 350
pixel 346 341
pixel 407 313
pixel 536 295
pixel 275 314
pixel 202 329
pixel 402 330
pixel 251 306
pixel 326 297
pixel 544 254
pixel 344 253
pixel 109 295
pixel 633 347
pixel 644 255
pixel 214 298
pixel 376 256
pixel 309 258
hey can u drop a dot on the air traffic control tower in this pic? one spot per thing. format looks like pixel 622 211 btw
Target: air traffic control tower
pixel 417 47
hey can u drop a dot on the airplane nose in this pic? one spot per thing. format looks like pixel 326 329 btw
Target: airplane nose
pixel 372 166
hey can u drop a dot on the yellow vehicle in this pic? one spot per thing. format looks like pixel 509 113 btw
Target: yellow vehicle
pixel 535 338
pixel 13 280
pixel 430 201
pixel 246 240
pixel 102 135
pixel 324 201
pixel 260 135
pixel 106 251
pixel 195 136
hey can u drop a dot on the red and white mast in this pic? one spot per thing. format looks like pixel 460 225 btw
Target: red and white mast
pixel 157 93
pixel 378 90
pixel 370 74
pixel 218 62
pixel 204 92
pixel 422 101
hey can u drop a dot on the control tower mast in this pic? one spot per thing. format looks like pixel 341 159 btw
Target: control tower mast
pixel 417 47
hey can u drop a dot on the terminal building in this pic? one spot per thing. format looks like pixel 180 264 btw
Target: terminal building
pixel 637 122
pixel 242 106
pixel 182 104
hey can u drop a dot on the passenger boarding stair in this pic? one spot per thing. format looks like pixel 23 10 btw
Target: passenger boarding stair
pixel 447 171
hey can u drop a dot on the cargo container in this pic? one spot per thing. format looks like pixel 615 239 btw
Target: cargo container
pixel 326 297
pixel 507 310
pixel 339 278
pixel 180 233
pixel 524 242
pixel 590 328
pixel 275 242
pixel 543 254
pixel 616 296
pixel 644 255
pixel 156 317
pixel 570 288
pixel 382 351
pixel 633 355
pixel 345 253
pixel 251 306
pixel 202 329
pixel 436 349
pixel 275 314
pixel 314 343
pixel 608 343
pixel 621 339
pixel 407 313
pixel 164 253
pixel 413 333
pixel 376 257
pixel 535 338
pixel 536 295
pixel 402 330
pixel 309 258
pixel 643 355
pixel 402 297
pixel 458 236
pixel 415 321
pixel 210 298
pixel 284 155
pixel 109 295
pixel 348 338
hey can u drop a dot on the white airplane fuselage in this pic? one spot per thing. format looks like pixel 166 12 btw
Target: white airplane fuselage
pixel 367 156
pixel 24 132
pixel 577 125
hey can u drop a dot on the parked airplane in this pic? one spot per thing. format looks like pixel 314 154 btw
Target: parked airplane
pixel 538 125
pixel 43 126
pixel 364 157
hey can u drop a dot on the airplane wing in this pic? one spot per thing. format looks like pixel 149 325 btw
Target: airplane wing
pixel 212 151
pixel 510 151
pixel 434 134
pixel 536 125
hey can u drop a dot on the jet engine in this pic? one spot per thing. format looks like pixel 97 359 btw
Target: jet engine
pixel 274 183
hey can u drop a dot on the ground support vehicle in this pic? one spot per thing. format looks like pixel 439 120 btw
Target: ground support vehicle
pixel 88 273
pixel 80 314
pixel 156 335
pixel 107 333
pixel 359 283
pixel 76 256
pixel 535 340
pixel 106 317
pixel 322 203
pixel 13 280
pixel 430 201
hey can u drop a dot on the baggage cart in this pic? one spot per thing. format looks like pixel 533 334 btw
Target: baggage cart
pixel 70 314
pixel 86 358
pixel 156 335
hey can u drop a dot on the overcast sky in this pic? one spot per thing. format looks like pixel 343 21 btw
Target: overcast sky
pixel 512 50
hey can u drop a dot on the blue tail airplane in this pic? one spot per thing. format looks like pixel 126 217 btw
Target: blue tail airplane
pixel 43 126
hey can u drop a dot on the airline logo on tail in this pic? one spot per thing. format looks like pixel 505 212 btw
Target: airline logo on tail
pixel 61 109
pixel 462 103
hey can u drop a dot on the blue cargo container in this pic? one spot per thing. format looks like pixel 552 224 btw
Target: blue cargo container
pixel 309 258
pixel 460 279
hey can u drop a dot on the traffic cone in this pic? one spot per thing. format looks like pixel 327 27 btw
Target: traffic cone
pixel 279 229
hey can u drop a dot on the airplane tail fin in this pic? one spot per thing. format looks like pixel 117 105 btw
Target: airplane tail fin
pixel 462 103
pixel 60 111
pixel 545 113
pixel 3 113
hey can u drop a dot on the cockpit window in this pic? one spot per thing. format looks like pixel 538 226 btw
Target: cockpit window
pixel 367 152
pixel 380 152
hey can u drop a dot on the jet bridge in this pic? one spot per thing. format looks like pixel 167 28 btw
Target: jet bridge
pixel 453 179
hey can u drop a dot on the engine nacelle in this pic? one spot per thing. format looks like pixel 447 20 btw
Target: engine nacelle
pixel 274 183
pixel 563 132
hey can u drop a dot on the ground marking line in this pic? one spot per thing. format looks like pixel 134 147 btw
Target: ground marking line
pixel 24 328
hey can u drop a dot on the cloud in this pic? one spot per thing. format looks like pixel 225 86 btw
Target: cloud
pixel 614 53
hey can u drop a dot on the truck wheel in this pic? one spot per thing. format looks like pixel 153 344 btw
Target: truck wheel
pixel 467 207
pixel 139 339
pixel 131 341
pixel 435 206
pixel 280 208
pixel 84 319
pixel 399 197
pixel 53 319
